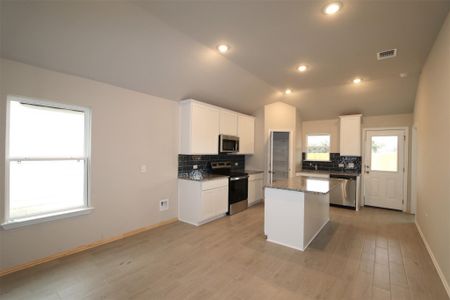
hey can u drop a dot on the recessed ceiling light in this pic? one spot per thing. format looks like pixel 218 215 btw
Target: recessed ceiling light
pixel 403 75
pixel 223 48
pixel 288 91
pixel 302 68
pixel 357 80
pixel 332 8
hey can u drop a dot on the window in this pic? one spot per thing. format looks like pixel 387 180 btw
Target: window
pixel 47 158
pixel 318 147
pixel 384 153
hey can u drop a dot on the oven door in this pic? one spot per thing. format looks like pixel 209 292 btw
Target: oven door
pixel 238 189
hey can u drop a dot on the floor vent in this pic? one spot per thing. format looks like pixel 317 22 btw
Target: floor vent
pixel 387 54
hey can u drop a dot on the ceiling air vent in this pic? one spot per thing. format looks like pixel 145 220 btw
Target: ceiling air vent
pixel 387 54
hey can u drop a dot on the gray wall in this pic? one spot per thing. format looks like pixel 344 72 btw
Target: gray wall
pixel 128 129
pixel 432 120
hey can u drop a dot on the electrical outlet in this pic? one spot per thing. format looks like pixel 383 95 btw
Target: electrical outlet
pixel 350 166
pixel 341 165
pixel 164 204
pixel 143 168
pixel 195 167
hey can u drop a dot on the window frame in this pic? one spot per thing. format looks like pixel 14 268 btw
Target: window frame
pixel 329 149
pixel 42 217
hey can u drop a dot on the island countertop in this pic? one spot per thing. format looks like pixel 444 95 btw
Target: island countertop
pixel 305 184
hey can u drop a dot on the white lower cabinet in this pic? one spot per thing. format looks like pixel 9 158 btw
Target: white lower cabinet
pixel 255 188
pixel 202 201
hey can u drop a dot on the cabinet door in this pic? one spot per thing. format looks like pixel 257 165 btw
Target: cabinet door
pixel 207 205
pixel 251 192
pixel 214 202
pixel 350 135
pixel 228 123
pixel 246 133
pixel 221 203
pixel 204 130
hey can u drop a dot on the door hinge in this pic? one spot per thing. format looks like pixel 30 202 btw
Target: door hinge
pixel 403 170
pixel 403 201
pixel 404 137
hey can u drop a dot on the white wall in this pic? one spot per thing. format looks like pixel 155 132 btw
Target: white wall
pixel 275 116
pixel 330 127
pixel 128 129
pixel 298 142
pixel 280 116
pixel 432 119
pixel 257 160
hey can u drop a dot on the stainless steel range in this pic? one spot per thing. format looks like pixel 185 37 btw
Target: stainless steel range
pixel 237 186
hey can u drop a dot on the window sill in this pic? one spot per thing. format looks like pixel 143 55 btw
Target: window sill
pixel 46 218
pixel 310 160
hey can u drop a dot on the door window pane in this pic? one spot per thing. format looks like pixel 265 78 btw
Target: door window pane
pixel 37 187
pixel 384 153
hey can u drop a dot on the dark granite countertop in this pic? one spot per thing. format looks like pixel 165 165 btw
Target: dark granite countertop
pixel 205 177
pixel 305 184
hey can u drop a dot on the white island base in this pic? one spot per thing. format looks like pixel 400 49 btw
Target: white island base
pixel 293 218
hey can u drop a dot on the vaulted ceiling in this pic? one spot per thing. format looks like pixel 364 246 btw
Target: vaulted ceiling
pixel 167 48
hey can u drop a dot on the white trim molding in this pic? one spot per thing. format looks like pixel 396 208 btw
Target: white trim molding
pixel 405 162
pixel 46 218
pixel 433 258
pixel 11 222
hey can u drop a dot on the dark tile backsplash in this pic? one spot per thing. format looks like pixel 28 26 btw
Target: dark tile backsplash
pixel 333 165
pixel 186 162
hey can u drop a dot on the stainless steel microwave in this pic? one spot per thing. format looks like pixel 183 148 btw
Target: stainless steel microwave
pixel 228 144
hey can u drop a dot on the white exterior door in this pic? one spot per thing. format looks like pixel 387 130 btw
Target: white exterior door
pixel 384 168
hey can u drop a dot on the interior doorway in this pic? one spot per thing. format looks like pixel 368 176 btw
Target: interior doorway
pixel 279 155
pixel 384 169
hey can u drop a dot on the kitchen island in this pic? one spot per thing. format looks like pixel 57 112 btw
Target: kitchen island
pixel 296 210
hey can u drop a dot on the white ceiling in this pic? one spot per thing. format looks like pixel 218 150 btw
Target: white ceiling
pixel 167 48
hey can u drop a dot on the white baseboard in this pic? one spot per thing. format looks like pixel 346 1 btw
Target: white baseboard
pixel 285 245
pixel 433 258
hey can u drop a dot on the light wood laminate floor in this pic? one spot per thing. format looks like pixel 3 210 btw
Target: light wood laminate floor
pixel 371 254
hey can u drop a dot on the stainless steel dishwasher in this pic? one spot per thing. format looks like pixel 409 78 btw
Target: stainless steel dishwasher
pixel 345 193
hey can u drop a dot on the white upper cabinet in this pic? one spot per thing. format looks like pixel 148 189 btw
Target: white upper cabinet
pixel 228 122
pixel 201 124
pixel 199 128
pixel 246 133
pixel 350 135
